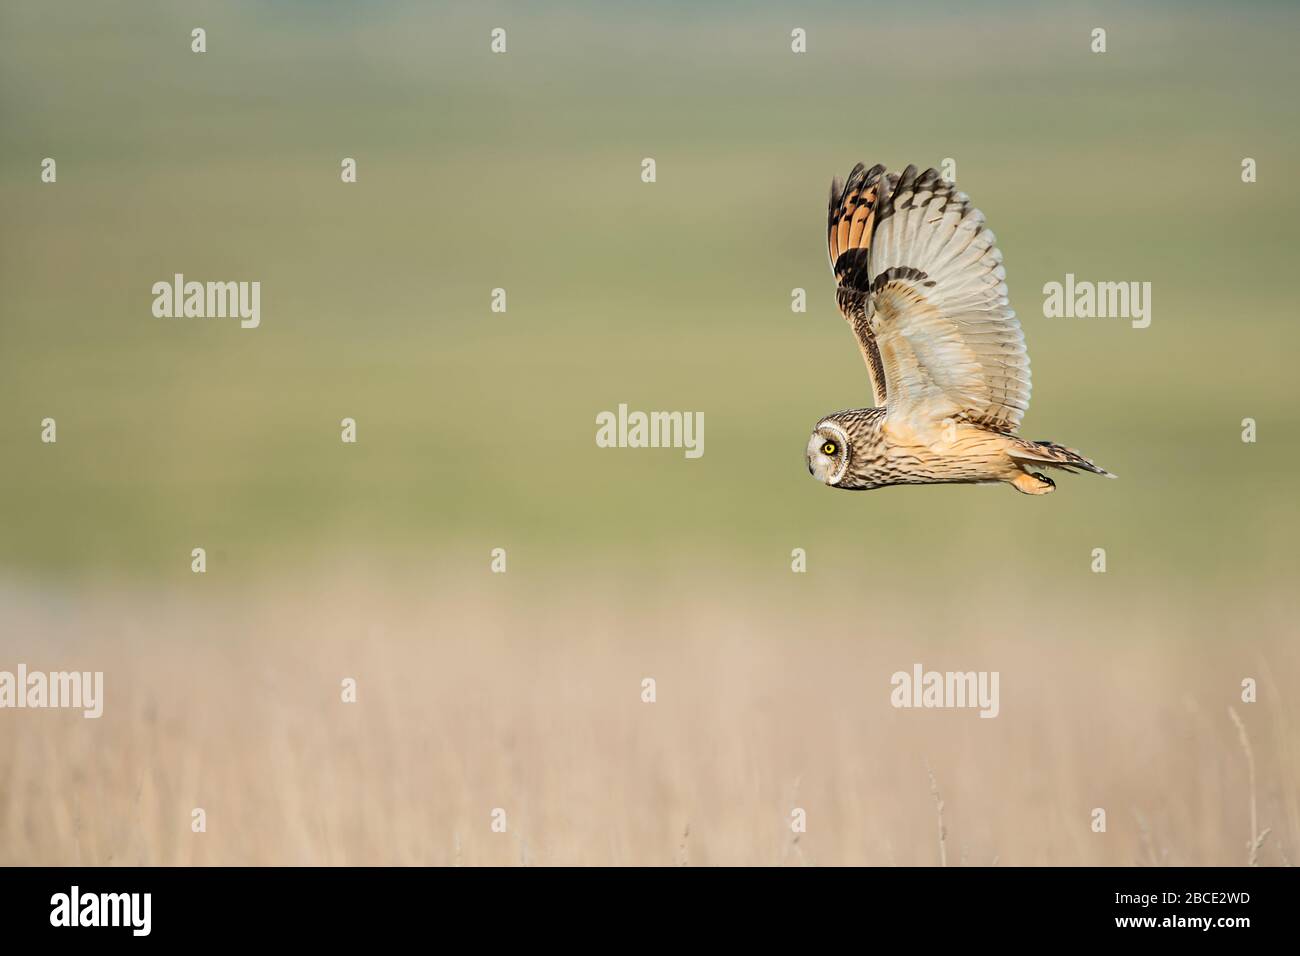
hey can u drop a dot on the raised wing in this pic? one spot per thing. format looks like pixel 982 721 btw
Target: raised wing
pixel 850 224
pixel 927 295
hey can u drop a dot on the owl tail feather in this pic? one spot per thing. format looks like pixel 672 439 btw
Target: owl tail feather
pixel 1052 455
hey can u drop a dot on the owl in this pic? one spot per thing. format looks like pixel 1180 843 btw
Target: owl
pixel 922 287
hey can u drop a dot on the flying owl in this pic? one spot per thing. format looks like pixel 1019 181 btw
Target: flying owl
pixel 921 284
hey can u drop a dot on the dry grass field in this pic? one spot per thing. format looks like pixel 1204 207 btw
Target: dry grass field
pixel 506 692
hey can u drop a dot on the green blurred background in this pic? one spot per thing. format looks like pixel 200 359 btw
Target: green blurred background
pixel 522 171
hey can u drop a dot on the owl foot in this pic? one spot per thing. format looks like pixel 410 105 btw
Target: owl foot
pixel 1033 484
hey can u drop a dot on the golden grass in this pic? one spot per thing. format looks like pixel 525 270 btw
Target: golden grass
pixel 503 692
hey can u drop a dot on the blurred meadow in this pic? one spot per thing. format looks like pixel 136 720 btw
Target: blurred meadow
pixel 476 431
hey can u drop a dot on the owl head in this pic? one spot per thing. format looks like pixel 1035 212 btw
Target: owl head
pixel 829 453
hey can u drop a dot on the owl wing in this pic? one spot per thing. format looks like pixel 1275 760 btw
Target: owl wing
pixel 850 223
pixel 927 289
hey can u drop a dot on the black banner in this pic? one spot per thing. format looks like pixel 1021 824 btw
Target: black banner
pixel 332 906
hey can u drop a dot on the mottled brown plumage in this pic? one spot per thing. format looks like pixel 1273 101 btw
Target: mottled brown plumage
pixel 920 282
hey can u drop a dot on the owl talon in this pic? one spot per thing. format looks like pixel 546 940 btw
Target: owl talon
pixel 1033 484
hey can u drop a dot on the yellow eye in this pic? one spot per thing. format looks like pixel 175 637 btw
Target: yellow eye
pixel 828 448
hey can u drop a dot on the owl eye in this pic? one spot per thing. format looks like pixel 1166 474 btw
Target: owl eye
pixel 828 448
